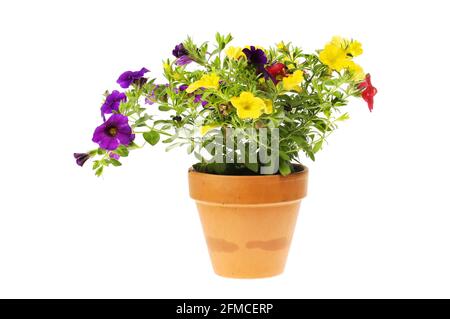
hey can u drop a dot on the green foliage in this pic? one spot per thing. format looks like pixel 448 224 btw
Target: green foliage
pixel 152 137
pixel 305 116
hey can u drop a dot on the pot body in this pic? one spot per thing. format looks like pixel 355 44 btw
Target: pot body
pixel 248 221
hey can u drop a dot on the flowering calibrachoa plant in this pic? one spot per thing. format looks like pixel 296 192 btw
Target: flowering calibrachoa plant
pixel 210 89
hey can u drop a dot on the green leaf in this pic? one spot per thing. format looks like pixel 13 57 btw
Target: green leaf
pixel 115 162
pixel 122 151
pixel 343 117
pixel 318 146
pixel 141 121
pixel 96 165
pixel 164 108
pixel 191 148
pixel 218 38
pixel 285 168
pixel 152 137
pixel 284 156
pixel 300 141
pixel 172 146
pixel 170 139
pixel 99 171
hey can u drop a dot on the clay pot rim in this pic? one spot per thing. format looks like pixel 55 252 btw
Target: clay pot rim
pixel 274 176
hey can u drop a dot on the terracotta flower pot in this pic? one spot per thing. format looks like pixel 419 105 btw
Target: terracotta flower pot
pixel 248 221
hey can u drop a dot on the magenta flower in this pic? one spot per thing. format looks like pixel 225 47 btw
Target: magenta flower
pixel 114 132
pixel 81 158
pixel 112 102
pixel 129 77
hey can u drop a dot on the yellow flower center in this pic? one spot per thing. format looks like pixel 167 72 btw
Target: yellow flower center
pixel 112 131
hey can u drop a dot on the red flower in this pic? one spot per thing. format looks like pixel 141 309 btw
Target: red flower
pixel 368 92
pixel 276 71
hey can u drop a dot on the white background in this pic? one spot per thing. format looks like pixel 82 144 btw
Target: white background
pixel 376 221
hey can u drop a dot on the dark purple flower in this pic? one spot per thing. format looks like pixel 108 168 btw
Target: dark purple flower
pixel 179 51
pixel 183 60
pixel 113 132
pixel 183 87
pixel 128 77
pixel 181 54
pixel 112 102
pixel 81 158
pixel 204 103
pixel 255 56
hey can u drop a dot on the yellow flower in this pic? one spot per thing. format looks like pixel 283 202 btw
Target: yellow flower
pixel 351 47
pixel 206 128
pixel 356 70
pixel 293 80
pixel 334 56
pixel 354 48
pixel 234 53
pixel 281 45
pixel 207 81
pixel 248 106
pixel 268 109
pixel 338 53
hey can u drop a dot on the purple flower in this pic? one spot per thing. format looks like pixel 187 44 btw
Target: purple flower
pixel 255 56
pixel 113 132
pixel 183 87
pixel 198 99
pixel 181 54
pixel 183 60
pixel 129 77
pixel 81 158
pixel 179 51
pixel 112 102
pixel 151 98
pixel 114 156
